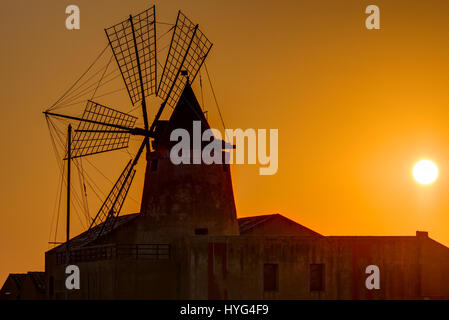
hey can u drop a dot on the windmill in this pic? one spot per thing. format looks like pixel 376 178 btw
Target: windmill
pixel 103 129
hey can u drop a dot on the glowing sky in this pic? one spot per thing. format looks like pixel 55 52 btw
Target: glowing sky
pixel 355 109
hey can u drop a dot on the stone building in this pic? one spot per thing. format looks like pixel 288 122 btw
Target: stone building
pixel 187 243
pixel 25 286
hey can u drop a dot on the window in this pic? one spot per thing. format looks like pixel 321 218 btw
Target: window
pixel 201 231
pixel 317 277
pixel 154 165
pixel 270 277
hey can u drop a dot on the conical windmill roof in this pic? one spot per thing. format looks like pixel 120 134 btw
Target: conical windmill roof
pixel 187 111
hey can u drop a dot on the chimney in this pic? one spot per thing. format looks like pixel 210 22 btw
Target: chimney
pixel 422 234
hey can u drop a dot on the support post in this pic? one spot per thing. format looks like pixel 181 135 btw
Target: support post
pixel 69 160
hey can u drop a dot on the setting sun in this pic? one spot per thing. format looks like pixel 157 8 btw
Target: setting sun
pixel 425 172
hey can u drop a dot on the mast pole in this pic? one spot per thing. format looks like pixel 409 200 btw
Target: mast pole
pixel 69 160
pixel 144 104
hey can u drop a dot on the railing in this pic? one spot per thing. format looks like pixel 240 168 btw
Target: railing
pixel 116 251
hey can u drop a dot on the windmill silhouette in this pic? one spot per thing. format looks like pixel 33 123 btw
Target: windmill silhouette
pixel 102 129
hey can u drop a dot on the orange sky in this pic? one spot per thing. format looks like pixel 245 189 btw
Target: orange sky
pixel 355 110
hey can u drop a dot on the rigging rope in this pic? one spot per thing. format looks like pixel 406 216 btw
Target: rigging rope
pixel 62 168
pixel 83 189
pixel 76 91
pixel 75 195
pixel 202 95
pixel 81 85
pixel 165 33
pixel 88 69
pixel 59 206
pixel 112 182
pixel 86 91
pixel 58 191
pixel 92 183
pixel 84 101
pixel 167 23
pixel 89 180
pixel 102 76
pixel 216 102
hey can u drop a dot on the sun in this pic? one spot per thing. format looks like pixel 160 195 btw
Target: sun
pixel 425 172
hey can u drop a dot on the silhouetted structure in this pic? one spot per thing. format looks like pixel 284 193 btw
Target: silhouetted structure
pixel 25 286
pixel 186 242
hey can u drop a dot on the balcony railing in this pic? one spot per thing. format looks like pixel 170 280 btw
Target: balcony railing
pixel 116 251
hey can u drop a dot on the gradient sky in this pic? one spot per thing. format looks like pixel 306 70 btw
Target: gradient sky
pixel 355 110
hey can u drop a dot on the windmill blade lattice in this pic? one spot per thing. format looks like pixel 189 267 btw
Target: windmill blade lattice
pixel 105 218
pixel 102 129
pixel 92 138
pixel 189 48
pixel 121 39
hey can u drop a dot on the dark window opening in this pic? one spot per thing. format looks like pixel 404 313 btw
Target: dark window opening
pixel 270 277
pixel 201 231
pixel 317 277
pixel 154 165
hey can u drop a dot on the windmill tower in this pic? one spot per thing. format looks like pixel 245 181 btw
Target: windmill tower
pixel 177 200
pixel 185 199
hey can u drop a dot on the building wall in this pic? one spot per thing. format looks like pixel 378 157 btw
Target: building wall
pixel 434 268
pixel 232 267
pixel 30 292
pixel 10 290
pixel 27 290
pixel 177 199
pixel 119 279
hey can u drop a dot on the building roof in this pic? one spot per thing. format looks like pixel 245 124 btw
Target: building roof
pixel 39 280
pixel 249 224
pixel 87 237
pixel 186 111
pixel 18 278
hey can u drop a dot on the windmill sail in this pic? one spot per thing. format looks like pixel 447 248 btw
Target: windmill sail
pixel 111 207
pixel 189 48
pixel 92 137
pixel 102 129
pixel 137 31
